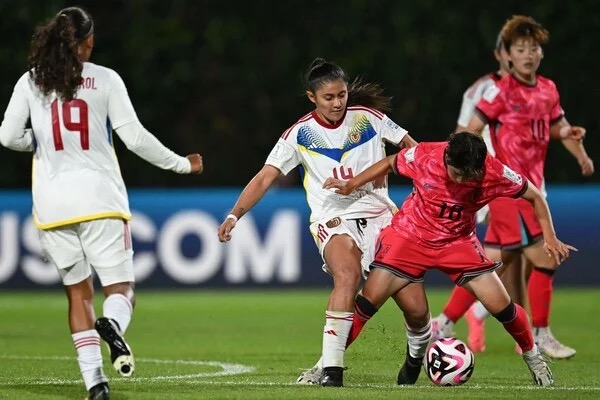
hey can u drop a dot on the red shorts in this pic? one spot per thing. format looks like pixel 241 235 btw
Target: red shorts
pixel 409 259
pixel 513 224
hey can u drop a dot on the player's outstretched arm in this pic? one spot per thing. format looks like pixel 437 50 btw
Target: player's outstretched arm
pixel 13 134
pixel 252 193
pixel 553 247
pixel 375 171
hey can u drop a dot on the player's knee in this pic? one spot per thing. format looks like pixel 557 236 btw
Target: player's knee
pixel 507 314
pixel 363 306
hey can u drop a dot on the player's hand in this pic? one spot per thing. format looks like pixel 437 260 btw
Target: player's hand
pixel 225 229
pixel 572 132
pixel 196 163
pixel 587 166
pixel 557 249
pixel 341 186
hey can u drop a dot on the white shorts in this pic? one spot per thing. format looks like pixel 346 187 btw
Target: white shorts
pixel 102 244
pixel 364 232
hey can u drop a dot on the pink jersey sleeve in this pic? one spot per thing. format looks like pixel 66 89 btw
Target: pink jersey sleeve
pixel 501 181
pixel 491 104
pixel 405 164
pixel 556 113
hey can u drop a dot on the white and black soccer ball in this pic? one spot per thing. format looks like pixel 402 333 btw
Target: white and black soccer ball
pixel 449 362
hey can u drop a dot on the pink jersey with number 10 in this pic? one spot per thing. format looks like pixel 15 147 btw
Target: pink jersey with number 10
pixel 520 116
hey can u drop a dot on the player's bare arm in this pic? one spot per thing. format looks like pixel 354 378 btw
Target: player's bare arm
pixel 252 193
pixel 407 142
pixel 563 130
pixel 552 246
pixel 476 124
pixel 375 171
pixel 573 142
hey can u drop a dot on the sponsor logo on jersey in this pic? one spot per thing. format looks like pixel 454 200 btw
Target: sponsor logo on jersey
pixel 490 94
pixel 277 151
pixel 512 175
pixel 332 223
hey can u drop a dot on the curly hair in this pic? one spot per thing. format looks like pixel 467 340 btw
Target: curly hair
pixel 54 62
pixel 359 93
pixel 522 26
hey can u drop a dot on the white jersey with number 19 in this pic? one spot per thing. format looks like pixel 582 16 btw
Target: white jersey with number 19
pixel 341 151
pixel 76 175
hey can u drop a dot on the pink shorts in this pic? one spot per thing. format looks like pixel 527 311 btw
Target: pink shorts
pixel 410 259
pixel 513 224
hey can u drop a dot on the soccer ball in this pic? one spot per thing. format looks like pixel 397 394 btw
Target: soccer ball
pixel 449 362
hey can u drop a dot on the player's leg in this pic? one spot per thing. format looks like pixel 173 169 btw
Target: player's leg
pixel 343 259
pixel 417 322
pixel 61 246
pixel 540 289
pixel 107 245
pixel 512 278
pixel 489 290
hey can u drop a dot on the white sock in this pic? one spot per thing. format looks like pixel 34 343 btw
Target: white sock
pixel 541 331
pixel 319 363
pixel 418 340
pixel 335 336
pixel 89 357
pixel 445 324
pixel 119 308
pixel 480 311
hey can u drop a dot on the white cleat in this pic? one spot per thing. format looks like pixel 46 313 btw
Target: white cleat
pixel 312 376
pixel 550 347
pixel 542 376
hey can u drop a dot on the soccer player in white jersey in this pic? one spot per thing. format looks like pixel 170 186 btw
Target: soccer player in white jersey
pixel 345 134
pixel 80 203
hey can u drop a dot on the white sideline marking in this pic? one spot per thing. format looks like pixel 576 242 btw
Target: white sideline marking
pixel 227 370
pixel 235 369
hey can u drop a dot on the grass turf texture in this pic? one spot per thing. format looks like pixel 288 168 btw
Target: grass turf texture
pixel 186 342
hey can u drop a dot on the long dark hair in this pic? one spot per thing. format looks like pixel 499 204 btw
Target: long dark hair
pixel 54 63
pixel 359 93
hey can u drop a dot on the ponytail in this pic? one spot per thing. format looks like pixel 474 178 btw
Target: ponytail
pixel 54 63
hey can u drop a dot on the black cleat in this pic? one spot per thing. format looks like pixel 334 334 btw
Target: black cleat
pixel 120 353
pixel 409 373
pixel 99 392
pixel 333 377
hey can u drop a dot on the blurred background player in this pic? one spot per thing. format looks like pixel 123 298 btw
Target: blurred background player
pixel 523 110
pixel 80 203
pixel 345 134
pixel 434 230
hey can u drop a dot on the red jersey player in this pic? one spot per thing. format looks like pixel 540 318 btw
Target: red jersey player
pixel 524 113
pixel 434 229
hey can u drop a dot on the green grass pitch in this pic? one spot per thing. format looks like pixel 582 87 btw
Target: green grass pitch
pixel 253 344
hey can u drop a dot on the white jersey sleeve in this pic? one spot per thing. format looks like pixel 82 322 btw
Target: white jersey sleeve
pixel 13 134
pixel 124 120
pixel 471 97
pixel 390 131
pixel 284 156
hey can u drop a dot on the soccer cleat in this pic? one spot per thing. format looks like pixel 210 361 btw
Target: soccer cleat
pixel 312 376
pixel 476 326
pixel 409 373
pixel 542 376
pixel 333 377
pixel 120 353
pixel 440 330
pixel 99 392
pixel 551 347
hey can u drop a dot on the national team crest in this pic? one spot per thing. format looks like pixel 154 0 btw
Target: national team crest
pixel 354 137
pixel 332 223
